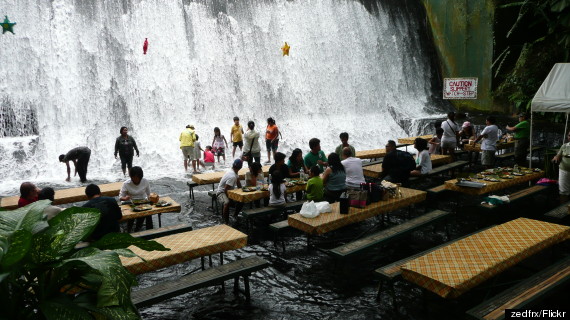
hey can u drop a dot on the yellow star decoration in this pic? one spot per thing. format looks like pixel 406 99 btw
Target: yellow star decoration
pixel 285 49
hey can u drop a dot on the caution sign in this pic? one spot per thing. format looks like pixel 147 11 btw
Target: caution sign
pixel 460 88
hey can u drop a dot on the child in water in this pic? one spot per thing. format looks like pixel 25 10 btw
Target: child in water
pixel 209 160
pixel 198 154
pixel 218 144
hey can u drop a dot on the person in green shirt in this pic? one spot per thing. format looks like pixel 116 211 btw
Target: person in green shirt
pixel 315 189
pixel 522 139
pixel 344 139
pixel 316 156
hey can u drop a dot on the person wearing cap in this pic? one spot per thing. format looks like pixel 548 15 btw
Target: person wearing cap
pixel 228 182
pixel 187 138
pixel 522 139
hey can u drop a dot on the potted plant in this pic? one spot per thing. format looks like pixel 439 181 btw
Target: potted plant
pixel 43 276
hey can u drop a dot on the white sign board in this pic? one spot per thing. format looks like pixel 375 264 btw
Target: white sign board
pixel 460 88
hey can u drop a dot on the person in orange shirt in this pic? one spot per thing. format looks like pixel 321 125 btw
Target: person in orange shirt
pixel 272 135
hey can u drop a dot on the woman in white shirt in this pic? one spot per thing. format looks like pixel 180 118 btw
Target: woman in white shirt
pixel 423 160
pixel 450 134
pixel 136 188
pixel 277 190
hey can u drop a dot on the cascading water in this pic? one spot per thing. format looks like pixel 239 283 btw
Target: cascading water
pixel 74 73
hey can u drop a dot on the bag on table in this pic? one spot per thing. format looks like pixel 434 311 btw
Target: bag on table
pixel 309 210
pixel 374 192
pixel 357 198
pixel 323 206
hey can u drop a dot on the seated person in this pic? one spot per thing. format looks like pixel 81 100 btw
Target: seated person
pixel 110 212
pixel 397 165
pixel 297 169
pixel 28 194
pixel 334 179
pixel 277 189
pixel 435 142
pixel 316 156
pixel 254 178
pixel 315 190
pixel 48 193
pixel 279 165
pixel 228 182
pixel 353 169
pixel 136 188
pixel 423 160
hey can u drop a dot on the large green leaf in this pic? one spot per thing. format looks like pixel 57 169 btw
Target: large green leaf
pixel 19 245
pixel 89 300
pixel 116 283
pixel 22 218
pixel 61 307
pixel 70 227
pixel 113 241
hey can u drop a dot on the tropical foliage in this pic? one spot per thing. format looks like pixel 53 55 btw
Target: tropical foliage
pixel 545 27
pixel 43 276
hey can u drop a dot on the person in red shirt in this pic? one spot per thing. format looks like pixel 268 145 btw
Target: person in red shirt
pixel 271 138
pixel 28 194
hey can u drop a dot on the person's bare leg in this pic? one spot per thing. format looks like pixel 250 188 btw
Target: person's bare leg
pixel 185 165
pixel 233 152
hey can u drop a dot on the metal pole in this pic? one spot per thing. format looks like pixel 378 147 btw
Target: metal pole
pixel 530 138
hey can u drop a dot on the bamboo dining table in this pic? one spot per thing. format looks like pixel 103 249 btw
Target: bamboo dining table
pixel 462 265
pixel 371 154
pixel 68 195
pixel 186 246
pixel 492 186
pixel 500 146
pixel 329 221
pixel 215 177
pixel 374 171
pixel 129 213
pixel 248 196
pixel 411 140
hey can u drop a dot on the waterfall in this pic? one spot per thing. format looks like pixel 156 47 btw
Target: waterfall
pixel 74 73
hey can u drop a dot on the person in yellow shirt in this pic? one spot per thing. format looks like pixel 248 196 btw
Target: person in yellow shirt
pixel 236 136
pixel 187 138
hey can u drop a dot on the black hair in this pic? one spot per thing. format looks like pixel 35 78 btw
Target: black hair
pixel 46 193
pixel 61 157
pixel 197 137
pixel 346 152
pixel 208 147
pixel 439 131
pixel 421 144
pixel 450 114
pixel 256 166
pixel 136 172
pixel 236 118
pixel 314 142
pixel 271 120
pixel 26 188
pixel 491 119
pixel 218 130
pixel 279 156
pixel 92 190
pixel 276 181
pixel 344 135
pixel 315 170
pixel 294 155
pixel 251 124
pixel 121 130
pixel 334 163
pixel 392 143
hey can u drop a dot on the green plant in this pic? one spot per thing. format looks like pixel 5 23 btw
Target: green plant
pixel 42 276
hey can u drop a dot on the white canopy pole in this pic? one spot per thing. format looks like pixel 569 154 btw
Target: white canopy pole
pixel 530 140
pixel 565 129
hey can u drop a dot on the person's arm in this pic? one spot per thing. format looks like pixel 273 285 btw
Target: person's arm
pixel 68 171
pixel 323 161
pixel 326 175
pixel 116 212
pixel 124 193
pixel 213 141
pixel 116 147
pixel 558 157
pixel 147 189
pixel 135 145
pixel 291 173
pixel 224 137
pixel 284 192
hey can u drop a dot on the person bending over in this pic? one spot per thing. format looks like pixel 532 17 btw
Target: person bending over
pixel 80 158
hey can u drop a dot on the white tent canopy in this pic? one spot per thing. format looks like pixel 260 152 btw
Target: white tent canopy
pixel 552 96
pixel 554 93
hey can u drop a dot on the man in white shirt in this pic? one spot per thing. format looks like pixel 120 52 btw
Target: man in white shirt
pixel 228 182
pixel 352 169
pixel 136 188
pixel 489 145
pixel 450 134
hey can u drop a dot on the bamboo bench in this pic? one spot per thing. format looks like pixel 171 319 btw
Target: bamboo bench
pixel 209 277
pixel 191 185
pixel 517 196
pixel 250 214
pixel 387 235
pixel 525 293
pixel 559 212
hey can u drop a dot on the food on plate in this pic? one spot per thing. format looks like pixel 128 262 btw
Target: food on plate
pixel 163 203
pixel 249 189
pixel 301 182
pixel 139 201
pixel 491 179
pixel 289 184
pixel 142 207
pixel 518 174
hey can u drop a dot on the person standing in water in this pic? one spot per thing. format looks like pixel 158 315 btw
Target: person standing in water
pixel 124 146
pixel 80 158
